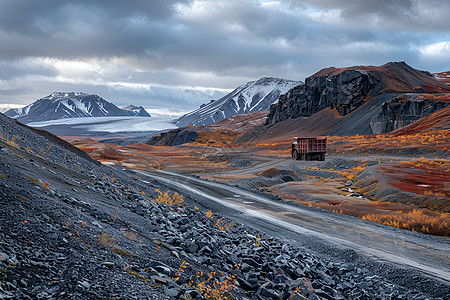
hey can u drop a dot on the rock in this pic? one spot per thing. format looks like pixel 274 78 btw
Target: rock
pixel 245 268
pixel 251 262
pixel 161 268
pixel 268 294
pixel 192 248
pixel 237 273
pixel 161 280
pixel 280 279
pixel 173 292
pixel 252 278
pixel 3 256
pixel 24 283
pixel 86 285
pixel 401 111
pixel 245 285
pixel 107 264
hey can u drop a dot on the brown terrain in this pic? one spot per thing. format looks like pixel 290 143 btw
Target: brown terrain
pixel 400 178
pixel 398 187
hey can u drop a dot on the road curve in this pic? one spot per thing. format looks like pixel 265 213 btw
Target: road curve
pixel 426 254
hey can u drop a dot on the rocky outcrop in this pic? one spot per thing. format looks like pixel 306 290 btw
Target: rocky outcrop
pixel 174 137
pixel 403 110
pixel 346 89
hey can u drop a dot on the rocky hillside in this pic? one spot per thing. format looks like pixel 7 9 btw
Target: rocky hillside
pixel 250 97
pixel 443 77
pixel 60 105
pixel 348 89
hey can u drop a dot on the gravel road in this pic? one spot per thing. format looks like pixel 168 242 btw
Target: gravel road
pixel 406 257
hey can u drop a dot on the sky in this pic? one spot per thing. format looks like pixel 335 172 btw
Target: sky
pixel 171 56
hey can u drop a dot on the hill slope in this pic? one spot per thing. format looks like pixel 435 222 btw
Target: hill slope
pixel 349 89
pixel 250 97
pixel 60 105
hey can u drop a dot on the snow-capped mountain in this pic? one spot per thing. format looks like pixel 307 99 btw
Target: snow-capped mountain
pixel 60 105
pixel 250 97
pixel 136 110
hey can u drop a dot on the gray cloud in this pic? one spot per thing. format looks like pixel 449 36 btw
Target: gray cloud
pixel 132 48
pixel 417 15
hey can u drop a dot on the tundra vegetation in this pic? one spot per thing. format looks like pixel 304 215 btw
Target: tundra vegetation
pixel 412 165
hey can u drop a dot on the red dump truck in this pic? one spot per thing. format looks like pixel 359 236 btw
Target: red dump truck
pixel 309 148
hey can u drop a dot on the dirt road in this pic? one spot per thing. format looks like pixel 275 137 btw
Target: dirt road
pixel 408 253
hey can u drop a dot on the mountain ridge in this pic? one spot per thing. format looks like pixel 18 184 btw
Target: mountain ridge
pixel 61 105
pixel 253 96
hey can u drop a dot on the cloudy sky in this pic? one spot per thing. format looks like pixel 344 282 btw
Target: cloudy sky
pixel 173 55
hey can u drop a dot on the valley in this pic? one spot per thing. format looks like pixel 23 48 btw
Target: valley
pixel 75 228
pixel 357 184
pixel 222 211
pixel 225 150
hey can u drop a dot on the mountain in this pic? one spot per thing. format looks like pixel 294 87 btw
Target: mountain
pixel 60 105
pixel 134 110
pixel 381 99
pixel 358 100
pixel 250 97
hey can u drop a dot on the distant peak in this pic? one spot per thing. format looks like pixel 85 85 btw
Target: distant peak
pixel 270 79
pixel 67 94
pixel 396 64
pixel 132 107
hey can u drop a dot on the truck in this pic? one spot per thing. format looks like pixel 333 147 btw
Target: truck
pixel 309 148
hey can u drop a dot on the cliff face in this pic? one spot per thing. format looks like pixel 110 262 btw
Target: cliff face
pixel 403 110
pixel 347 89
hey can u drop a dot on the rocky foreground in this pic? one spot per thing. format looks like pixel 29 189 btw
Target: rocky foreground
pixel 72 228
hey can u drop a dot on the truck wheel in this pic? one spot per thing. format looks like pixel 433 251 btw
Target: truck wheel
pixel 295 155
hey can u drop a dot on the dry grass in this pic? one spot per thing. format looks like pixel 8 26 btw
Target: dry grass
pixel 425 178
pixel 415 220
pixel 439 139
pixel 168 199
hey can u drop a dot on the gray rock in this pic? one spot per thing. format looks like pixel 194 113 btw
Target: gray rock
pixel 268 294
pixel 107 264
pixel 161 280
pixel 85 284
